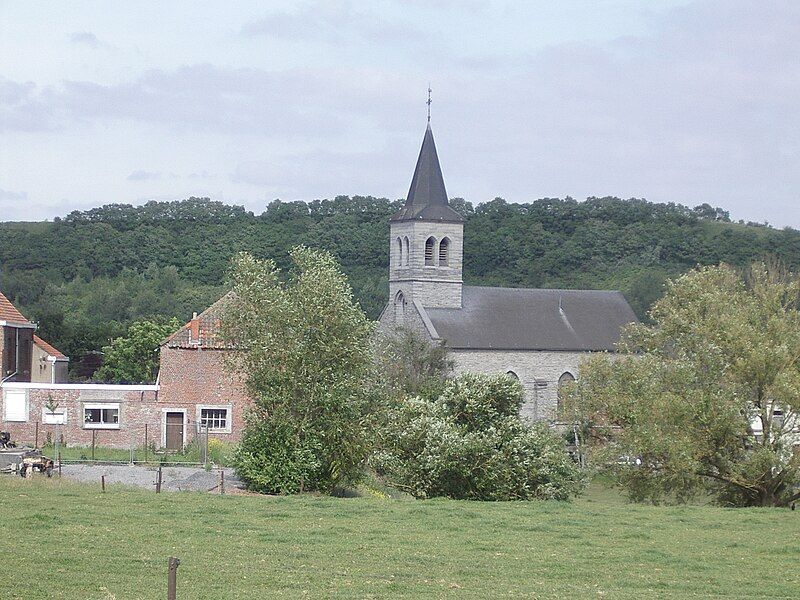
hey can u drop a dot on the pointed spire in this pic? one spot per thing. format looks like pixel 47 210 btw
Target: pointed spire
pixel 427 197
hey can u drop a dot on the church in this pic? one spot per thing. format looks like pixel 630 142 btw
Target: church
pixel 538 336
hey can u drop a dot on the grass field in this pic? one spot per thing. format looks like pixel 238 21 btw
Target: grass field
pixel 218 453
pixel 66 540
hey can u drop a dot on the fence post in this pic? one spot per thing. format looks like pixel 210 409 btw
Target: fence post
pixel 59 464
pixel 221 481
pixel 36 435
pixel 205 462
pixel 158 481
pixel 103 483
pixel 172 578
pixel 145 442
pixel 94 434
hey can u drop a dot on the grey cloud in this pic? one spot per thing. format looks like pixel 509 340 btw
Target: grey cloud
pixel 301 102
pixel 12 196
pixel 140 175
pixel 84 37
pixel 23 107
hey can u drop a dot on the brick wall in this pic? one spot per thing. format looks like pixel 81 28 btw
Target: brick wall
pixel 192 377
pixel 189 380
pixel 136 407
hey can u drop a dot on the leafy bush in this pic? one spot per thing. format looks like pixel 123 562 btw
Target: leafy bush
pixel 471 444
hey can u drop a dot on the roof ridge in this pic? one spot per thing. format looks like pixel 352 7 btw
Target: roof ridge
pixel 9 312
pixel 498 287
pixel 47 347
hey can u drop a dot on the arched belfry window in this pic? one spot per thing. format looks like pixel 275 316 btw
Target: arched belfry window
pixel 400 256
pixel 444 252
pixel 407 253
pixel 512 375
pixel 399 309
pixel 430 247
pixel 565 379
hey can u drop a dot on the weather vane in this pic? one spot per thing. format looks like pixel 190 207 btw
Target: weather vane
pixel 429 103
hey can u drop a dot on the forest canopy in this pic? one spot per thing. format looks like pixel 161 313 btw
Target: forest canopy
pixel 85 277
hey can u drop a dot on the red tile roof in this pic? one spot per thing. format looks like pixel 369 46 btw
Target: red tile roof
pixel 8 312
pixel 51 351
pixel 202 331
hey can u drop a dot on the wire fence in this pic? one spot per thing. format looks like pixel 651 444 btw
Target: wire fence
pixel 179 442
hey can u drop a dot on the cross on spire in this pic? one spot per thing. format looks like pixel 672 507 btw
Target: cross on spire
pixel 429 103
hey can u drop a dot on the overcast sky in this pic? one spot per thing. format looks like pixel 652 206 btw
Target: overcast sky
pixel 245 102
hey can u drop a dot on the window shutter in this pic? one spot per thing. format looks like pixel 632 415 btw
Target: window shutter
pixel 15 405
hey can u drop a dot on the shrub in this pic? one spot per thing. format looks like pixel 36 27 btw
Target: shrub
pixel 471 444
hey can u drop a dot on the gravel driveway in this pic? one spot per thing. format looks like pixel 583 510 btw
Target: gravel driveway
pixel 173 479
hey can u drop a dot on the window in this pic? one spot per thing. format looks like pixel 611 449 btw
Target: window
pixel 214 419
pixel 15 405
pixel 57 416
pixel 512 375
pixel 565 379
pixel 101 416
pixel 430 244
pixel 399 309
pixel 399 252
pixel 406 247
pixel 444 251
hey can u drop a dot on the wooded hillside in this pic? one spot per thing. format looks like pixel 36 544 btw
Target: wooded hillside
pixel 84 277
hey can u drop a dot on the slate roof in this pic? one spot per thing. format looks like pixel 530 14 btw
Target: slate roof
pixel 206 334
pixel 9 313
pixel 533 319
pixel 427 197
pixel 50 350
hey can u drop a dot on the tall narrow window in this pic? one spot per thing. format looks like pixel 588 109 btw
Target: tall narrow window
pixel 430 245
pixel 407 253
pixel 399 253
pixel 399 309
pixel 565 379
pixel 444 252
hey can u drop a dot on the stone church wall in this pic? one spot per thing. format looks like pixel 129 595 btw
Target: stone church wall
pixel 529 367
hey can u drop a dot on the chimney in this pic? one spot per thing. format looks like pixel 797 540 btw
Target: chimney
pixel 194 329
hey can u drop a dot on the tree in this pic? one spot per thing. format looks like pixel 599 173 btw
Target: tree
pixel 303 345
pixel 708 401
pixel 133 358
pixel 471 443
pixel 411 365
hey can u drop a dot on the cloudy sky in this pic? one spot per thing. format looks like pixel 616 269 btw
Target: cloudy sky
pixel 245 102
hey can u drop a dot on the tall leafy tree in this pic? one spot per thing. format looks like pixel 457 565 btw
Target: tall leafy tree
pixel 133 357
pixel 303 345
pixel 709 399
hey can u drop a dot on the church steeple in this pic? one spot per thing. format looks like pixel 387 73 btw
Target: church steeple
pixel 427 197
pixel 427 241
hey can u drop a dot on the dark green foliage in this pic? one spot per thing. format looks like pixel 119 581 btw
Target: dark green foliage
pixel 87 276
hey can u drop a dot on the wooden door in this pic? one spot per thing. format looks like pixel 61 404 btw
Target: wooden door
pixel 174 433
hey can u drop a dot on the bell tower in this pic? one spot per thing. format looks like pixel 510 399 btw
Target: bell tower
pixel 427 240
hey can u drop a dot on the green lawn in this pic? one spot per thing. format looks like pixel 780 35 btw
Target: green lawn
pixel 66 540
